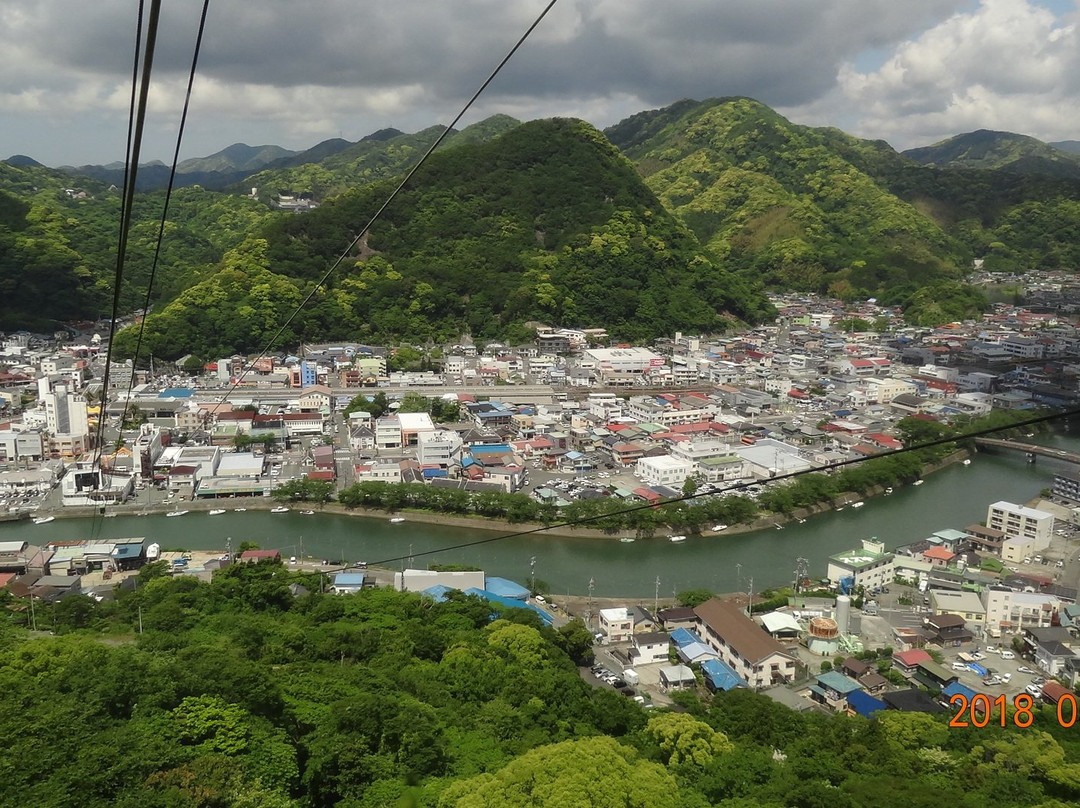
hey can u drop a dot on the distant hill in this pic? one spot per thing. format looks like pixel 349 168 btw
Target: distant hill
pixel 237 157
pixel 384 154
pixel 22 161
pixel 1005 151
pixel 1071 146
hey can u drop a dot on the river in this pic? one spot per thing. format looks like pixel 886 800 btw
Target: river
pixel 953 498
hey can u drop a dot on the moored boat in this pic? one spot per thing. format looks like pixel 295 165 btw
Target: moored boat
pixel 41 520
pixel 279 509
pixel 308 513
pixel 217 511
pixel 676 539
pixel 397 520
pixel 176 513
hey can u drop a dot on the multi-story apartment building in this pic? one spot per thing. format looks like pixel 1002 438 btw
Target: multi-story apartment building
pixel 1019 521
pixel 1007 612
pixel 664 470
pixel 741 643
pixel 868 566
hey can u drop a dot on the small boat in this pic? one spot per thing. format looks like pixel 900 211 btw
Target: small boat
pixel 888 491
pixel 307 513
pixel 41 520
pixel 627 539
pixel 718 528
pixel 801 521
pixel 779 526
pixel 279 509
pixel 217 511
pixel 917 482
pixel 840 509
pixel 396 520
pixel 676 539
pixel 239 510
pixel 858 504
pixel 110 516
pixel 967 461
pixel 176 513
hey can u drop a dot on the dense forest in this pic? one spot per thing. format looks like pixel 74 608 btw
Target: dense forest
pixel 255 690
pixel 676 218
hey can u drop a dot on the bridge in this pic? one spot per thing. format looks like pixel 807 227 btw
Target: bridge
pixel 1030 449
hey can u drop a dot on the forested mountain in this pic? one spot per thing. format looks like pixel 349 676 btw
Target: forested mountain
pixel 1001 150
pixel 550 223
pixel 236 693
pixel 547 222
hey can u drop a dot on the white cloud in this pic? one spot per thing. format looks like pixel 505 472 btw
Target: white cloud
pixel 1007 64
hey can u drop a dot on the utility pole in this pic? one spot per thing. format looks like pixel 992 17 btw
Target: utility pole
pixel 532 574
pixel 656 596
pixel 588 614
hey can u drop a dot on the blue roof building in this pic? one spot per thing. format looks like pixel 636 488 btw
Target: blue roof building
pixel 491 597
pixel 721 676
pixel 684 636
pixel 506 588
pixel 864 704
pixel 954 688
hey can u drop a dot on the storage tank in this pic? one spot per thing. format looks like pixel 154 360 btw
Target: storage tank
pixel 824 636
pixel 843 613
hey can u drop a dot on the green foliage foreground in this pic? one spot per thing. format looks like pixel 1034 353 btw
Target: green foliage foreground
pixel 238 693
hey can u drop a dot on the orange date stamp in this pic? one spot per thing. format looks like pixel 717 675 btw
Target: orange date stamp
pixel 981 710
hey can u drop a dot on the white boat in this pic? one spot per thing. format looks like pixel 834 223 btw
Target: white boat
pixel 917 482
pixel 967 461
pixel 308 513
pixel 627 539
pixel 217 511
pixel 41 520
pixel 718 528
pixel 801 521
pixel 888 491
pixel 397 520
pixel 176 513
pixel 239 510
pixel 676 539
pixel 858 504
pixel 279 509
pixel 840 509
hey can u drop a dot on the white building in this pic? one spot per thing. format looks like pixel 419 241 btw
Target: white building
pixel 663 470
pixel 1021 522
pixel 437 448
pixel 868 566
pixel 1007 612
pixel 617 625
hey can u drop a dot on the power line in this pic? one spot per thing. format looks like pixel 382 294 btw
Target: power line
pixel 740 486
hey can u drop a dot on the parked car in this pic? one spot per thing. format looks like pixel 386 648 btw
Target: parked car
pixel 1025 669
pixel 959 666
pixel 1007 654
pixel 1035 691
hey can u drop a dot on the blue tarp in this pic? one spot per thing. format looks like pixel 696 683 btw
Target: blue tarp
pixel 864 704
pixel 721 676
pixel 514 604
pixel 684 636
pixel 979 669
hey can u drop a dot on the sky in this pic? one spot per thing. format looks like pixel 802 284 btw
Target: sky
pixel 911 72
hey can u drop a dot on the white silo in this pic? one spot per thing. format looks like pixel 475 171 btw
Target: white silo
pixel 843 613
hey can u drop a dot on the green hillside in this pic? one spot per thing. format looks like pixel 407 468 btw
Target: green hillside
pixel 548 222
pixel 793 205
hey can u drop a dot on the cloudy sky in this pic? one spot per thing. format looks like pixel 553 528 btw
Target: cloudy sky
pixel 293 73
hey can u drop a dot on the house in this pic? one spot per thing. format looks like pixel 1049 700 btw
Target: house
pixel 346 583
pixel 741 644
pixel 947 629
pixel 861 703
pixel 677 617
pixel 676 677
pixel 254 556
pixel 911 701
pixel 651 647
pixel 832 689
pixel 907 662
pixel 617 625
pixel 719 676
pixel 933 676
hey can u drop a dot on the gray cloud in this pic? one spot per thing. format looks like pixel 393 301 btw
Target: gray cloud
pixel 293 73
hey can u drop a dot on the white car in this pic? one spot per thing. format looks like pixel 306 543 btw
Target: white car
pixel 1025 669
pixel 959 666
pixel 1034 691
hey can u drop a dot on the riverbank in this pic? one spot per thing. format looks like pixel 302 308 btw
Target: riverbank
pixel 764 522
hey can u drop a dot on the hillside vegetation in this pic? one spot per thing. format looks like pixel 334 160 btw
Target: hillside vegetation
pixel 547 222
pixel 236 693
